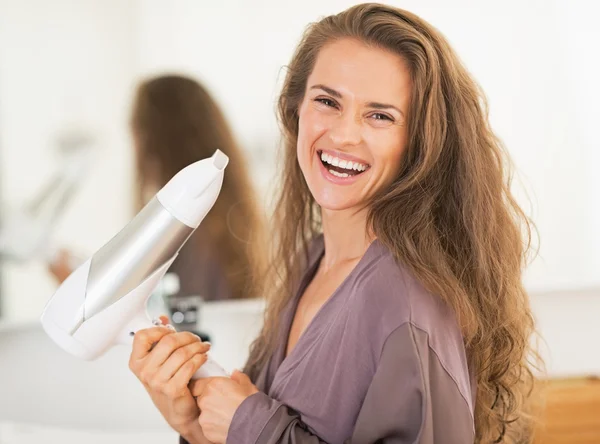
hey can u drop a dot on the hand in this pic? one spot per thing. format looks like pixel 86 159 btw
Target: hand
pixel 60 267
pixel 165 361
pixel 218 400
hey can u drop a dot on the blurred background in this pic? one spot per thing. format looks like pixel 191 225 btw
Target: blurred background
pixel 68 74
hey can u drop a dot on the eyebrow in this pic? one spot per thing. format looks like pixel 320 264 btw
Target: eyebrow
pixel 337 95
pixel 328 90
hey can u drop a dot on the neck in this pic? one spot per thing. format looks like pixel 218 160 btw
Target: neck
pixel 346 236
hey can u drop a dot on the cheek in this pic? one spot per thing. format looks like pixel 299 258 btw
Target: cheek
pixel 310 128
pixel 396 155
pixel 390 153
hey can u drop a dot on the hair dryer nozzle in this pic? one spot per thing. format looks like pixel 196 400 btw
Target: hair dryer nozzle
pixel 192 192
pixel 220 160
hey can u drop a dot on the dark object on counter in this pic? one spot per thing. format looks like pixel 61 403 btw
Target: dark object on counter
pixel 184 312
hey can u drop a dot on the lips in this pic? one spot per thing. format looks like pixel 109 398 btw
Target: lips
pixel 342 166
pixel 341 169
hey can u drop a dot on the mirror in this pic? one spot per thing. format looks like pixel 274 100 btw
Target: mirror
pixel 70 66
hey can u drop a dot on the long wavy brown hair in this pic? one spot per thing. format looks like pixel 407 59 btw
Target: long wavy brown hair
pixel 176 122
pixel 449 215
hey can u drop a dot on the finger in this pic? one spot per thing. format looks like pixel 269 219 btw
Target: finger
pixel 198 386
pixel 179 358
pixel 183 376
pixel 168 345
pixel 144 340
pixel 241 378
pixel 164 319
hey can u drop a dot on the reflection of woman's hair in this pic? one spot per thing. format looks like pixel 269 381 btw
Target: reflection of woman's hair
pixel 449 215
pixel 175 122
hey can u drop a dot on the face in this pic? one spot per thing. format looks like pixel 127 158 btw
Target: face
pixel 352 123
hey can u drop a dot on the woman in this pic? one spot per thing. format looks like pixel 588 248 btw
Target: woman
pixel 402 318
pixel 174 123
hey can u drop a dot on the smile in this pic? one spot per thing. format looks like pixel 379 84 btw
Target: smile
pixel 341 167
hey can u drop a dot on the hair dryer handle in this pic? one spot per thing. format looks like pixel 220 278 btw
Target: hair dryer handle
pixel 141 321
pixel 210 369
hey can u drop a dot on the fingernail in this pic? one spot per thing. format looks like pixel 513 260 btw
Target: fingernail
pixel 170 327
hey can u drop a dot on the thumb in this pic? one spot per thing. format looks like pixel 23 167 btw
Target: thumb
pixel 197 386
pixel 241 378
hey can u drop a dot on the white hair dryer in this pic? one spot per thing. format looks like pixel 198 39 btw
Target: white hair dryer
pixel 103 302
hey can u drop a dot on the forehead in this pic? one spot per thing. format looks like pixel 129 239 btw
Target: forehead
pixel 366 72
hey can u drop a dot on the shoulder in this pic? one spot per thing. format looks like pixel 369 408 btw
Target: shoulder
pixel 388 293
pixel 388 297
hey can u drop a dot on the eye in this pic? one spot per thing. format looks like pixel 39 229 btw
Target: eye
pixel 330 103
pixel 381 117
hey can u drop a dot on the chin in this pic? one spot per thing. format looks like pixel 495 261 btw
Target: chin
pixel 335 202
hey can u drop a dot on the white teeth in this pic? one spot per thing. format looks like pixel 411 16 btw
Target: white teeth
pixel 341 163
pixel 335 173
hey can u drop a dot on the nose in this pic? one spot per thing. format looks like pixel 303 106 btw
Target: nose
pixel 346 130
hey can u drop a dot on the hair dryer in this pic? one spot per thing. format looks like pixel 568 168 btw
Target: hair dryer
pixel 103 302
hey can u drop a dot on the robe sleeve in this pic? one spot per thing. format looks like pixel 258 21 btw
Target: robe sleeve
pixel 413 398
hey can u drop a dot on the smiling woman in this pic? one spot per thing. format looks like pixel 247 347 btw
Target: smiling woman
pixel 396 311
pixel 346 116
